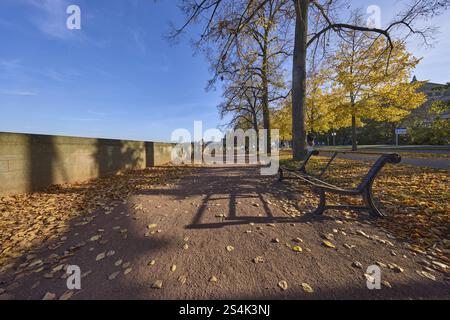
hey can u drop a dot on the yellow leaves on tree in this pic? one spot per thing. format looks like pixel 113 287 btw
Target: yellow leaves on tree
pixel 364 79
pixel 371 81
pixel 318 112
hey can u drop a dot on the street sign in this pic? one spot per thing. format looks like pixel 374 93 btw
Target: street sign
pixel 401 131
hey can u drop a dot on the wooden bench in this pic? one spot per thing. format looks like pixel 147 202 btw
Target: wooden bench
pixel 321 187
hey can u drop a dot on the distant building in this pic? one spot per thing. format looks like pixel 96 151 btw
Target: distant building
pixel 434 92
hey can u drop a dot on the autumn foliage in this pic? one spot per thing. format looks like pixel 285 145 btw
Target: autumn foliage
pixel 362 80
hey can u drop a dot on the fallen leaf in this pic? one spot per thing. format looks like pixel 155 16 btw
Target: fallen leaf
pixel 95 238
pixel 283 285
pixel 328 244
pixel 58 268
pixel 66 295
pixel 307 288
pixel 329 237
pixel 440 265
pixel 127 271
pixel 396 268
pixel 101 256
pixel 158 284
pixel 362 233
pixel 427 275
pixel 35 263
pixel 370 278
pixel 49 296
pixel 182 279
pixel 113 276
pixel 84 275
pixel 258 259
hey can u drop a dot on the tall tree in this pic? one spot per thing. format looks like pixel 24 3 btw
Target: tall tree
pixel 236 15
pixel 433 127
pixel 242 102
pixel 319 118
pixel 371 82
pixel 257 55
pixel 319 106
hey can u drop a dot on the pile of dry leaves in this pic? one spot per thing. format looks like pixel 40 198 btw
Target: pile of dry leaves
pixel 416 200
pixel 30 220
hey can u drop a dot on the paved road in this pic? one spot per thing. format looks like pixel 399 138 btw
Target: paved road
pixel 408 149
pixel 211 226
pixel 418 162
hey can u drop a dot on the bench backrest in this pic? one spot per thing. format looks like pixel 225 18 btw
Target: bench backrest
pixel 376 168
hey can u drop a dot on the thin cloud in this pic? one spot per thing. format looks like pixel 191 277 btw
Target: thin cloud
pixel 18 93
pixel 165 63
pixel 10 64
pixel 13 69
pixel 139 40
pixel 82 119
pixel 51 17
pixel 97 113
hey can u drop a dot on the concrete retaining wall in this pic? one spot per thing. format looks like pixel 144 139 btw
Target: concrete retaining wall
pixel 32 162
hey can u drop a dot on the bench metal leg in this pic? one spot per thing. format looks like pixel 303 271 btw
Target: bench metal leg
pixel 368 200
pixel 280 175
pixel 367 196
pixel 322 202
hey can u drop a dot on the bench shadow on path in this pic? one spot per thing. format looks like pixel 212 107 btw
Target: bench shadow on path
pixel 233 184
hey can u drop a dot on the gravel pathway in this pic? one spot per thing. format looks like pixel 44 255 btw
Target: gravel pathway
pixel 223 233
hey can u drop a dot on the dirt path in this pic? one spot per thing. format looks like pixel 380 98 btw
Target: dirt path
pixel 191 226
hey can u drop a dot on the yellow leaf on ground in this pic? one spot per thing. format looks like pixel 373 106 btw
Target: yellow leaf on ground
pixel 328 244
pixel 283 285
pixel 307 288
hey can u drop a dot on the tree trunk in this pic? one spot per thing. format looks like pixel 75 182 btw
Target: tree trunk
pixel 256 128
pixel 354 141
pixel 354 137
pixel 299 80
pixel 266 119
pixel 265 93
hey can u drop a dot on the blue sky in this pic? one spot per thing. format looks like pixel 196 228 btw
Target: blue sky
pixel 119 77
